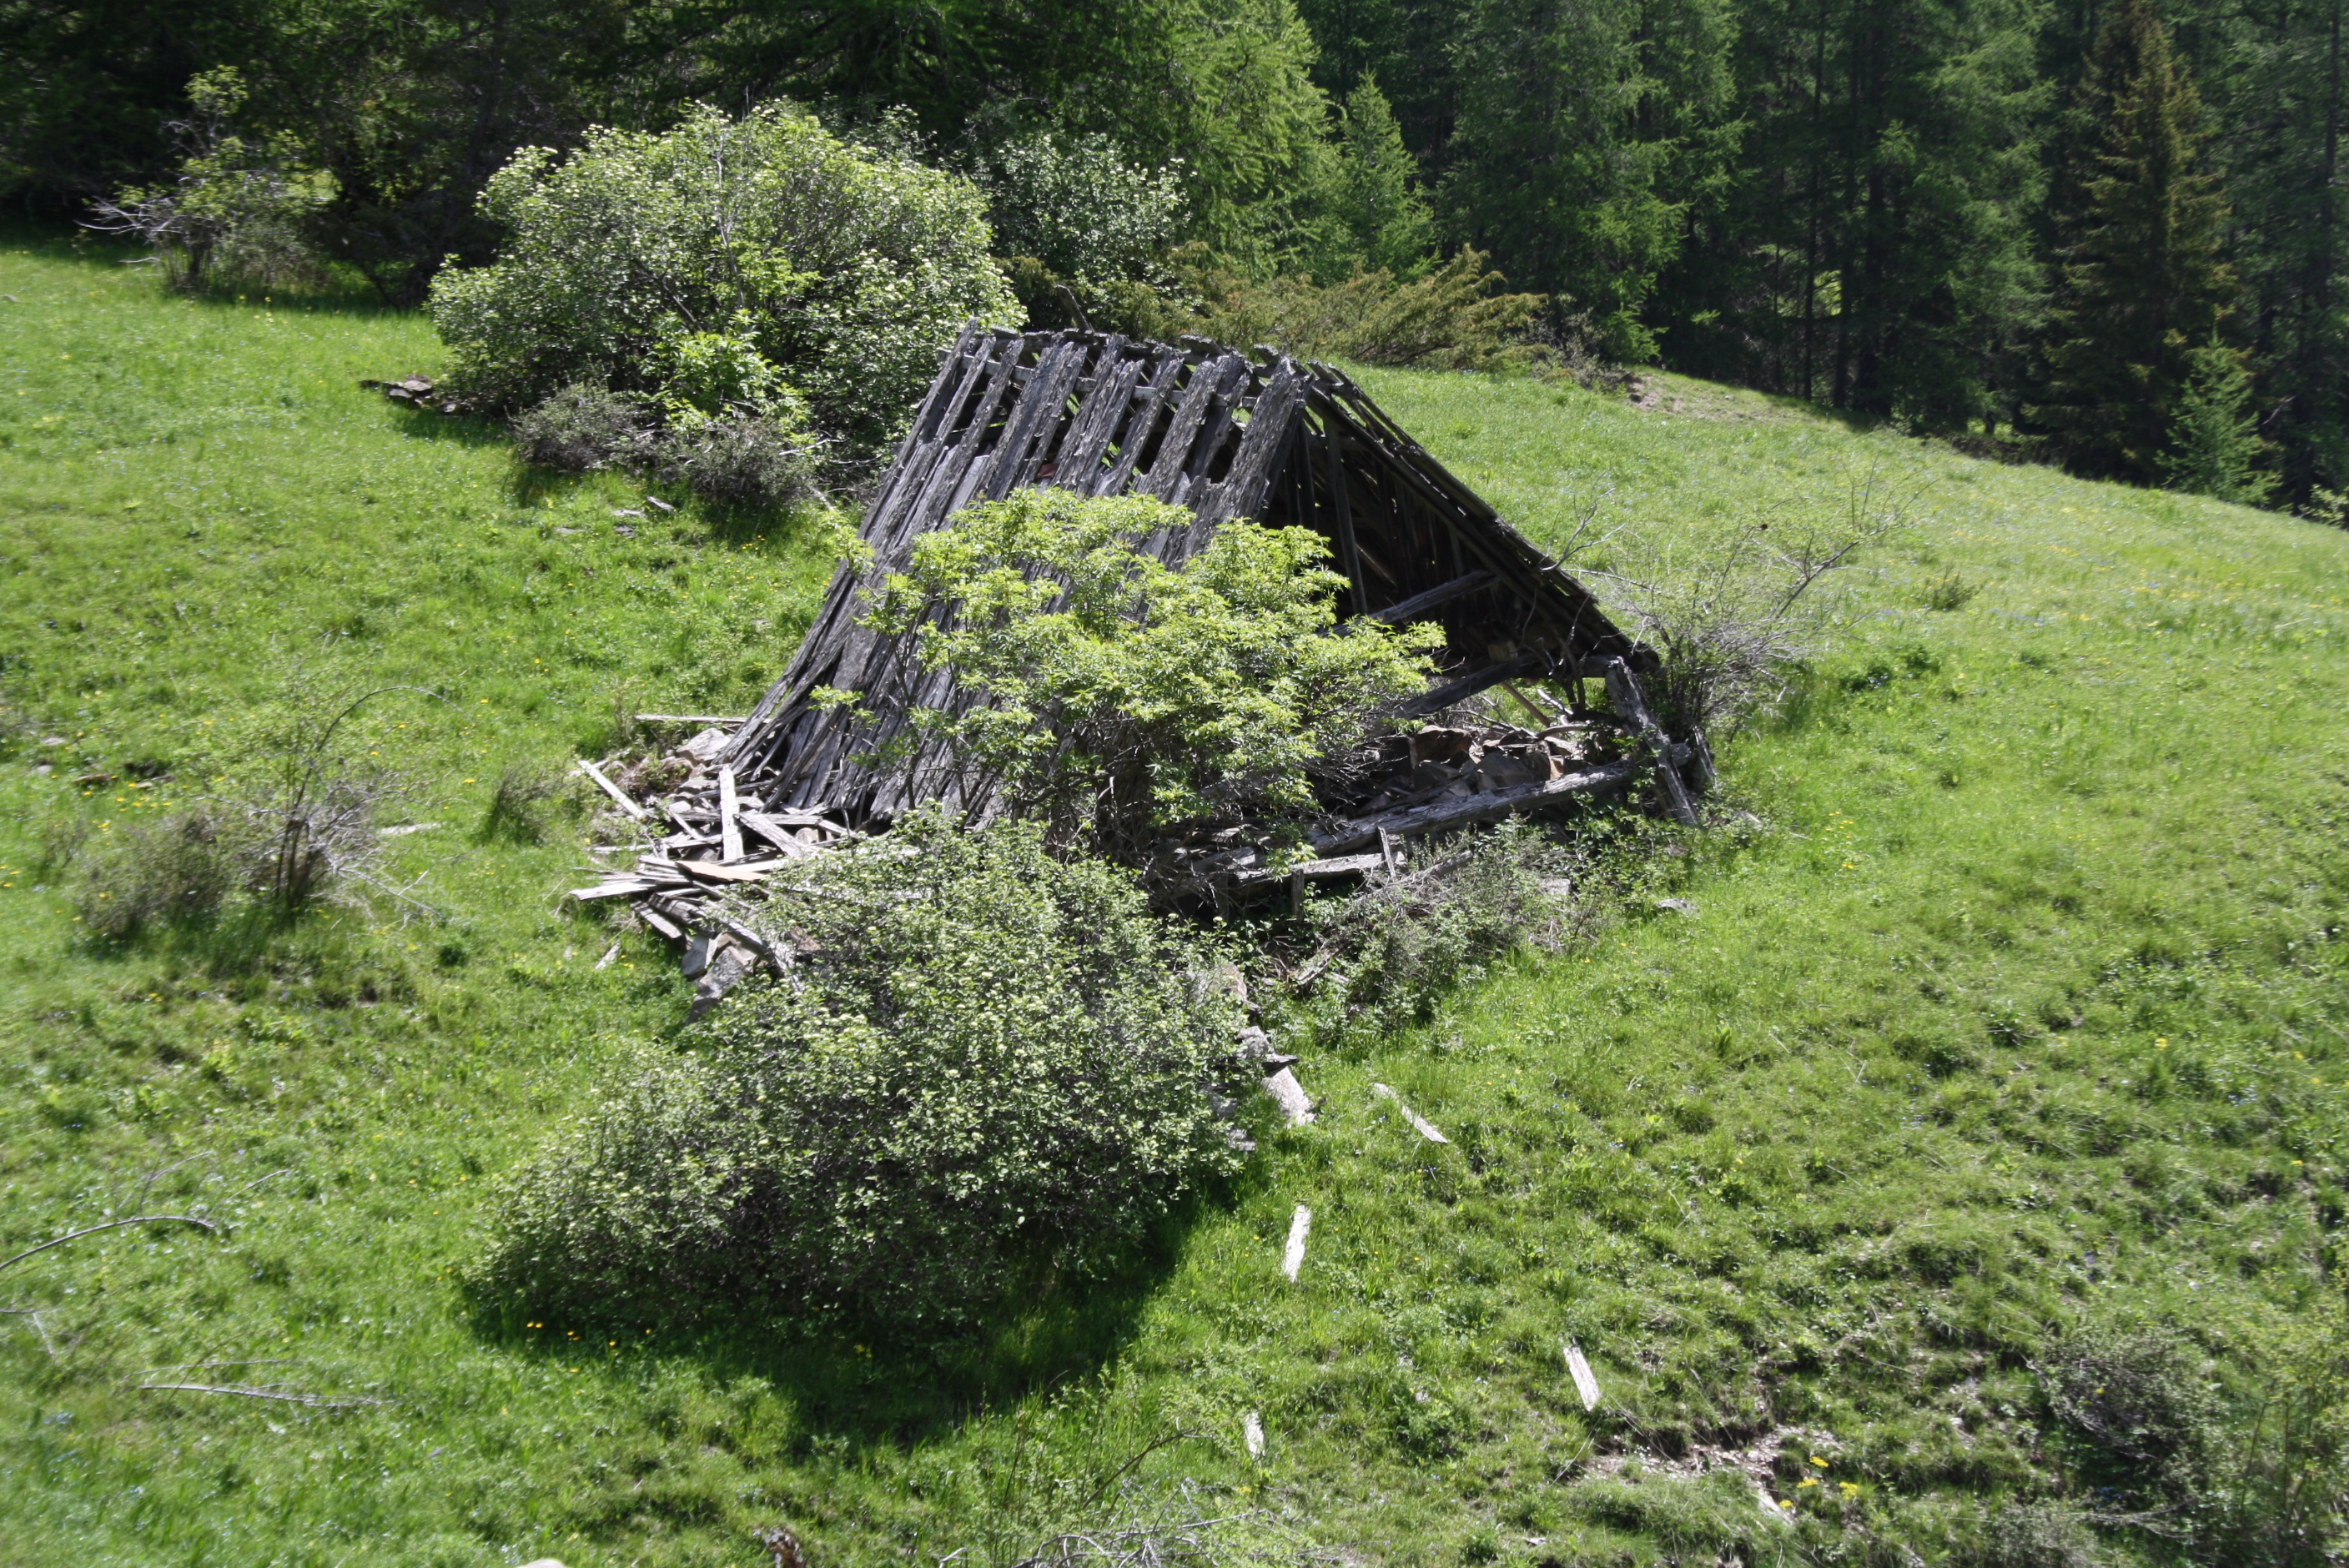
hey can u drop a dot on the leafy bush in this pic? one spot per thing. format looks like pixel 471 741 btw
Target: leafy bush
pixel 1078 206
pixel 1124 696
pixel 237 213
pixel 724 261
pixel 2141 1401
pixel 2242 1462
pixel 993 1063
pixel 742 460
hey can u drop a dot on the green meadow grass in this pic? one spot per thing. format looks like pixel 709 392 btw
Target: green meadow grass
pixel 2007 997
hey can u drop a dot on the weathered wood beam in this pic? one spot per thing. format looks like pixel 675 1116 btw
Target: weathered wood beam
pixel 1489 807
pixel 1530 662
pixel 1442 593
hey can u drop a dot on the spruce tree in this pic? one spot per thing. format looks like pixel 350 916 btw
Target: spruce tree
pixel 1390 222
pixel 2143 283
pixel 2214 442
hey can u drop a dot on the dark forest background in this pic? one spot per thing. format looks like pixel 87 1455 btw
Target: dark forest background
pixel 2099 229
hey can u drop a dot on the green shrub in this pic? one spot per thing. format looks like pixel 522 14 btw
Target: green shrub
pixel 1127 697
pixel 741 460
pixel 238 212
pixel 1400 948
pixel 993 1064
pixel 583 428
pixel 142 874
pixel 728 264
pixel 1078 206
pixel 2140 1403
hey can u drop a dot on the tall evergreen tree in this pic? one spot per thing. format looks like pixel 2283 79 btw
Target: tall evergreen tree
pixel 1585 129
pixel 1388 218
pixel 1873 248
pixel 2277 81
pixel 2214 441
pixel 2143 283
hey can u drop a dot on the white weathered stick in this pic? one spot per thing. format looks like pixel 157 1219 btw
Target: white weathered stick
pixel 610 953
pixel 614 791
pixel 1290 1096
pixel 730 832
pixel 1300 1228
pixel 1426 1128
pixel 1252 1433
pixel 321 1402
pixel 1584 1383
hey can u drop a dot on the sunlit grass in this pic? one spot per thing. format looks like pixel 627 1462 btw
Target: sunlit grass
pixel 2016 998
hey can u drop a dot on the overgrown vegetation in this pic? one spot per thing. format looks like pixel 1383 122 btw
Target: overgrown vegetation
pixel 1123 697
pixel 988 1065
pixel 235 215
pixel 293 820
pixel 2012 1018
pixel 1385 961
pixel 744 277
pixel 1449 319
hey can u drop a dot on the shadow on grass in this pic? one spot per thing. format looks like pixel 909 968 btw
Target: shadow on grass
pixel 874 1384
pixel 457 429
pixel 342 292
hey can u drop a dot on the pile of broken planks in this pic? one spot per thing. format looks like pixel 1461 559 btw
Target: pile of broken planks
pixel 1457 773
pixel 698 838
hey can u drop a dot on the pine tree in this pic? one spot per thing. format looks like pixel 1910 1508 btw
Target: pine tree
pixel 2214 442
pixel 1392 223
pixel 2143 283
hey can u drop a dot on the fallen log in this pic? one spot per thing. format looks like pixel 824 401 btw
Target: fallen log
pixel 1489 807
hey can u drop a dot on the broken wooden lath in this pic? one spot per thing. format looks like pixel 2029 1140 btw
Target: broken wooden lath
pixel 1204 428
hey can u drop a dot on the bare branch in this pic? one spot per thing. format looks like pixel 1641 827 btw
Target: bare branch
pixel 109 1225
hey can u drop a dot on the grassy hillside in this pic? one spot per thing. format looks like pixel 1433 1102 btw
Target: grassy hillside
pixel 2014 1007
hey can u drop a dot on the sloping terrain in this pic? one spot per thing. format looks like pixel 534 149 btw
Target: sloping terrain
pixel 2013 1004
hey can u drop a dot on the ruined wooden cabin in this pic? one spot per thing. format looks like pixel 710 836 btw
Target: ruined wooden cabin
pixel 1205 429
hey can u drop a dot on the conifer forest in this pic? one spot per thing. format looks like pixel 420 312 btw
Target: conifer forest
pixel 2103 233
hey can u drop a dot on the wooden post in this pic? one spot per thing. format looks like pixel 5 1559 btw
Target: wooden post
pixel 1349 557
pixel 1633 705
pixel 730 827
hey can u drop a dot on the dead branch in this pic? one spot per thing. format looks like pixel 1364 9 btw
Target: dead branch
pixel 109 1225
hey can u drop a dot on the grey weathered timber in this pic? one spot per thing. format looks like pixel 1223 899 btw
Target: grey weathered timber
pixel 1624 690
pixel 1223 435
pixel 1440 816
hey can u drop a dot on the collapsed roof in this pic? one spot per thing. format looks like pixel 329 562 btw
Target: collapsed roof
pixel 1204 427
